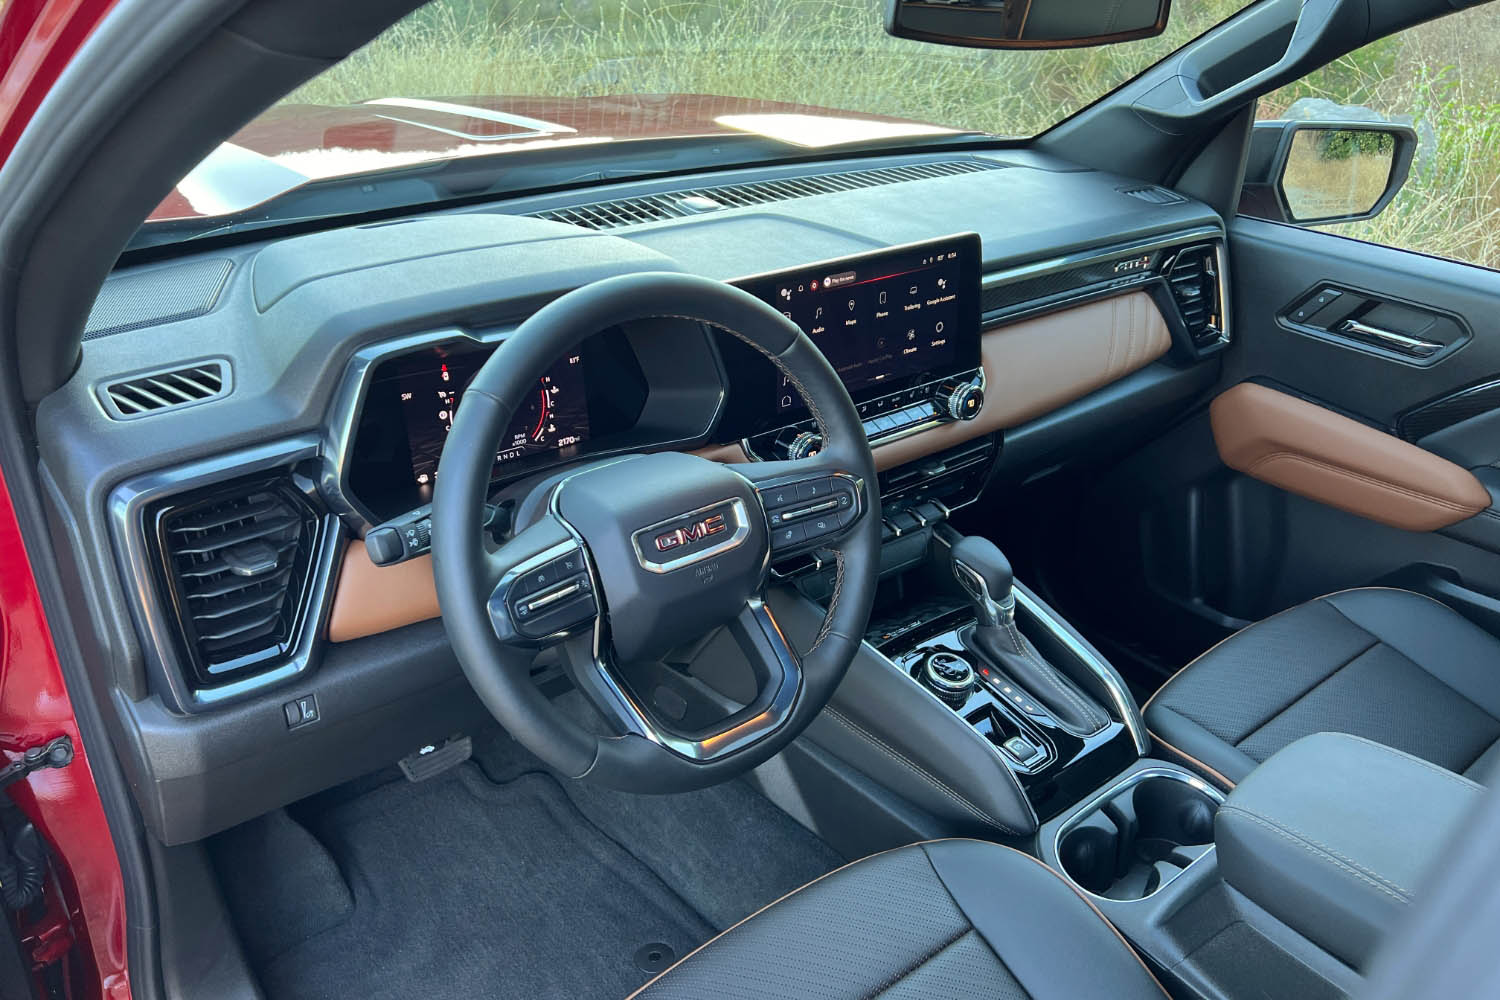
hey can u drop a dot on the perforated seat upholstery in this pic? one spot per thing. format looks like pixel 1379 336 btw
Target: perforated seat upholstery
pixel 1389 665
pixel 947 919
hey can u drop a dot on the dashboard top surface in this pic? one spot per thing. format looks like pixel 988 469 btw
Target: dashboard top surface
pixel 292 312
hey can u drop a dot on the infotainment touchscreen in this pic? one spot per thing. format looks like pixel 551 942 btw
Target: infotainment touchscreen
pixel 886 320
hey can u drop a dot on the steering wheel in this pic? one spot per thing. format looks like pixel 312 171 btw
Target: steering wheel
pixel 645 553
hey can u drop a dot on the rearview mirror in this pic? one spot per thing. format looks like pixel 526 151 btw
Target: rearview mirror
pixel 1026 24
pixel 1316 172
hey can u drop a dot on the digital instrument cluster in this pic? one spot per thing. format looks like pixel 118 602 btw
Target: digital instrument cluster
pixel 554 415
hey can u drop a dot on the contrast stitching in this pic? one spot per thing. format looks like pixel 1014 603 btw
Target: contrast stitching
pixel 1457 779
pixel 1383 484
pixel 1090 716
pixel 921 772
pixel 1224 779
pixel 817 415
pixel 885 985
pixel 1303 694
pixel 833 600
pixel 1315 848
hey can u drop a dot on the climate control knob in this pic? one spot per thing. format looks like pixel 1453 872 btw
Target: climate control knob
pixel 961 400
pixel 804 444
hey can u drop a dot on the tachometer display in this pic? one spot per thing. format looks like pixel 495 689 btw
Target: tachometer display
pixel 553 416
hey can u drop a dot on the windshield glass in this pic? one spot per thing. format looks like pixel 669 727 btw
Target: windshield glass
pixel 578 83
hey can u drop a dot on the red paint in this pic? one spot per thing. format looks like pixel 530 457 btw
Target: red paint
pixel 37 38
pixel 86 904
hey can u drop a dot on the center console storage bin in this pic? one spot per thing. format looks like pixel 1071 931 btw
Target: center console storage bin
pixel 1333 834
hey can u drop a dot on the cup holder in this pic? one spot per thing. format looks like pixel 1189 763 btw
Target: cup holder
pixel 1139 835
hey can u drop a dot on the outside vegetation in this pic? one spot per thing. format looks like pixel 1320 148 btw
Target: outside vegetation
pixel 1444 77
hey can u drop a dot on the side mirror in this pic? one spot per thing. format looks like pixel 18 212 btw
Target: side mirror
pixel 1312 172
pixel 1026 24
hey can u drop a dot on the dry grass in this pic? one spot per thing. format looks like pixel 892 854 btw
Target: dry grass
pixel 1444 75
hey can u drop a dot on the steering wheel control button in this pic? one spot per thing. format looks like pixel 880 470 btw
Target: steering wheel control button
pixel 814 489
pixel 779 496
pixel 788 536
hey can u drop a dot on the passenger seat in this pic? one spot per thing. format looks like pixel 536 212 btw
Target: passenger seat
pixel 1389 665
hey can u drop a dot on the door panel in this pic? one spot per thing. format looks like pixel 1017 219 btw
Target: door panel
pixel 1380 472
pixel 1351 482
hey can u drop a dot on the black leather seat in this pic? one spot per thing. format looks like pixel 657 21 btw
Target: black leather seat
pixel 1389 665
pixel 945 919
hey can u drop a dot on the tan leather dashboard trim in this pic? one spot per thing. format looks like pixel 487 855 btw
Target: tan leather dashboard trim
pixel 372 599
pixel 1036 365
pixel 1030 367
pixel 1315 453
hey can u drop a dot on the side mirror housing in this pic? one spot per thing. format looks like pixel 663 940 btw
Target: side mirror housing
pixel 1026 24
pixel 1317 172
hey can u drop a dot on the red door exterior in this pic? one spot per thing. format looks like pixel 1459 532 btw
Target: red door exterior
pixel 81 932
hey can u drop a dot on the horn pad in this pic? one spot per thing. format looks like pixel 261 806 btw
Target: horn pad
pixel 680 544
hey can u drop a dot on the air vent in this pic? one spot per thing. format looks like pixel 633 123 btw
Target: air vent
pixel 1155 195
pixel 236 563
pixel 1193 277
pixel 681 204
pixel 170 388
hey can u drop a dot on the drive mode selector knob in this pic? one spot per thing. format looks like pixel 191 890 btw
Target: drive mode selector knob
pixel 961 400
pixel 949 676
pixel 804 445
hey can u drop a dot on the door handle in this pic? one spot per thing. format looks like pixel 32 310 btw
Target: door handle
pixel 1414 346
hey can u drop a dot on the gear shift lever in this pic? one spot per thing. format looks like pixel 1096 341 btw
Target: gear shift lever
pixel 984 572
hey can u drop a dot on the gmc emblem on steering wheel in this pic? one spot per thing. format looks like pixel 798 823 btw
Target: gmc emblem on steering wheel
pixel 691 533
pixel 692 536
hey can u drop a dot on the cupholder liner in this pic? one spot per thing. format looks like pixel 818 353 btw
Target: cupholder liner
pixel 1140 838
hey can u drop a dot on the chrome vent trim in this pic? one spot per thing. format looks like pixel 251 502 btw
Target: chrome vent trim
pixel 235 563
pixel 166 389
pixel 624 212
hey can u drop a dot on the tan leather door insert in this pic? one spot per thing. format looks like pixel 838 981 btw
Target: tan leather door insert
pixel 1324 456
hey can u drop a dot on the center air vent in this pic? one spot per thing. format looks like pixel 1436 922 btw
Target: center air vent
pixel 167 389
pixel 681 204
pixel 235 562
pixel 1193 277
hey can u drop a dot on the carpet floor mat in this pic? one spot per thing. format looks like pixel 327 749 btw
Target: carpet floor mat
pixel 453 887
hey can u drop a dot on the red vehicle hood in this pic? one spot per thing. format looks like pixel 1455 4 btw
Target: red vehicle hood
pixel 291 144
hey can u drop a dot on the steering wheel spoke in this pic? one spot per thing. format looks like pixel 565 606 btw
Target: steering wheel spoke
pixel 541 586
pixel 777 671
pixel 808 504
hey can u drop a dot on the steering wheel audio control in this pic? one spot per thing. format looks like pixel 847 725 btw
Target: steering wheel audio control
pixel 544 596
pixel 808 511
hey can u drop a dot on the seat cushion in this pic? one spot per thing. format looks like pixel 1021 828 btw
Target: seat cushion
pixel 945 919
pixel 1389 665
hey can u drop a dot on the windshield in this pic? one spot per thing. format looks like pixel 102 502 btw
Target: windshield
pixel 580 85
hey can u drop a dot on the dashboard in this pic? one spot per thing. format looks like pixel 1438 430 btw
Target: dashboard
pixel 342 355
pixel 888 321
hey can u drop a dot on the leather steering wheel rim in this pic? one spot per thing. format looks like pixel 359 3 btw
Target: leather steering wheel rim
pixel 465 572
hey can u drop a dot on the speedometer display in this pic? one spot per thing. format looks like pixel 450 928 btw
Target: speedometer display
pixel 553 416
